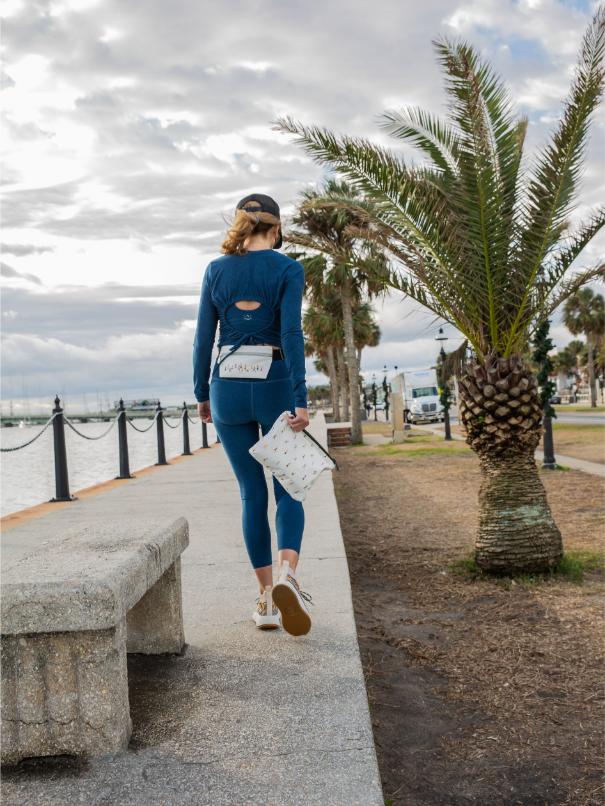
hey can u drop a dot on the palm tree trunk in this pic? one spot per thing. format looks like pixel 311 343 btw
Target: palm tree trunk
pixel 517 532
pixel 502 415
pixel 331 365
pixel 347 393
pixel 591 373
pixel 351 358
pixel 342 384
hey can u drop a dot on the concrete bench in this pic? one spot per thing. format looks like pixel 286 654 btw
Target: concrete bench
pixel 71 610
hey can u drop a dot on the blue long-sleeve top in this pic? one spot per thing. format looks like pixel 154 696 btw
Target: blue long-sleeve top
pixel 264 275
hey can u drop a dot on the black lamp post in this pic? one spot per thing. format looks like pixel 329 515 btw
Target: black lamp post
pixel 374 394
pixel 444 398
pixel 542 346
pixel 386 389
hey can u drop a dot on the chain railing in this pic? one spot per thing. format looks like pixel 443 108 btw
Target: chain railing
pixel 88 436
pixel 33 439
pixel 59 420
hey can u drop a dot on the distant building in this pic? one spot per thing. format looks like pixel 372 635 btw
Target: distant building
pixel 144 404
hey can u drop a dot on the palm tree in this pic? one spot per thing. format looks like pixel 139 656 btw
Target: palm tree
pixel 355 268
pixel 326 313
pixel 584 312
pixel 323 333
pixel 322 324
pixel 367 330
pixel 481 240
pixel 565 363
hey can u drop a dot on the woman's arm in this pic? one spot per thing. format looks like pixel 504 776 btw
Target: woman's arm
pixel 291 331
pixel 203 341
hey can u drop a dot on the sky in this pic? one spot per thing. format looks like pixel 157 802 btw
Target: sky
pixel 131 130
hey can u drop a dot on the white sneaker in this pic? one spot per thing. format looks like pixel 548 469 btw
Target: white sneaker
pixel 266 615
pixel 292 602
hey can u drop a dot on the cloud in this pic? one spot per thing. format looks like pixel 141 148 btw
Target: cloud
pixel 20 250
pixel 131 132
pixel 8 271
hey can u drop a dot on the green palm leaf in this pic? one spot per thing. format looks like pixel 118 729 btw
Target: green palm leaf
pixel 472 238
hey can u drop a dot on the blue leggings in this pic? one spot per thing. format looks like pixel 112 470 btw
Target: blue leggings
pixel 238 406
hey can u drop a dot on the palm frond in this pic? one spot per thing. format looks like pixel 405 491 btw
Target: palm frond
pixel 575 243
pixel 554 178
pixel 569 287
pixel 426 132
pixel 470 238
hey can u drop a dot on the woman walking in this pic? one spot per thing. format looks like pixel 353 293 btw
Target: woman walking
pixel 256 294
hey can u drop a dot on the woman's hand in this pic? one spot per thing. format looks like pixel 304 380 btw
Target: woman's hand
pixel 299 420
pixel 203 409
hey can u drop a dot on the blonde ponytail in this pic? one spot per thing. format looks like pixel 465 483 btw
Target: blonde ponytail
pixel 244 224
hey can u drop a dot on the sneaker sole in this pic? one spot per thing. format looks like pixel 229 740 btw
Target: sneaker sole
pixel 295 619
pixel 266 625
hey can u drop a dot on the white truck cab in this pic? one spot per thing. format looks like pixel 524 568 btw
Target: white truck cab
pixel 420 395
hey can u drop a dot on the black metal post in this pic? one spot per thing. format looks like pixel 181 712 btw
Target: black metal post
pixel 186 446
pixel 205 436
pixel 542 346
pixel 375 399
pixel 61 477
pixel 446 423
pixel 123 442
pixel 160 430
pixel 445 401
pixel 385 389
pixel 549 463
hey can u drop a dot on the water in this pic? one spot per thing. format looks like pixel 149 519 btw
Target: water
pixel 27 476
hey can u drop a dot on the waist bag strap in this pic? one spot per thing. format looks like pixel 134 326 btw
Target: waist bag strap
pixel 238 343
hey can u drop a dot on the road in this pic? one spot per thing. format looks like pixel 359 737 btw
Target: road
pixel 566 418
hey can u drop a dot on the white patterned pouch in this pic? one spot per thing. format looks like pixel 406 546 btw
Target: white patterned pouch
pixel 294 457
pixel 246 361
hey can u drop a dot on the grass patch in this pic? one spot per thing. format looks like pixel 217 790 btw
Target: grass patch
pixel 557 467
pixel 574 564
pixel 574 407
pixel 421 436
pixel 404 450
pixel 376 427
pixel 580 427
pixel 572 567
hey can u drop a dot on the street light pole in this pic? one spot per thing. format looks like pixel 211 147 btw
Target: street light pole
pixel 374 395
pixel 445 390
pixel 386 389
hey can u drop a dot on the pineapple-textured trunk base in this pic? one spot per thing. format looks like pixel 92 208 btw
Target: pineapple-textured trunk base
pixel 517 532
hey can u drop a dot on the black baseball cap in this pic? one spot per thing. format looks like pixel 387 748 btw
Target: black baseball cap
pixel 260 203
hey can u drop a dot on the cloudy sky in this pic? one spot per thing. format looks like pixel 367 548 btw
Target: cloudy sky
pixel 132 129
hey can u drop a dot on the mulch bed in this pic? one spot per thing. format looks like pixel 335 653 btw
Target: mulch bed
pixel 481 691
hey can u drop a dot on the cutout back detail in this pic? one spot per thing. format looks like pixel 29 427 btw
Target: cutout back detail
pixel 253 318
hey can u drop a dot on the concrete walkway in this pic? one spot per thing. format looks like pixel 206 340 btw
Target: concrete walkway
pixel 243 716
